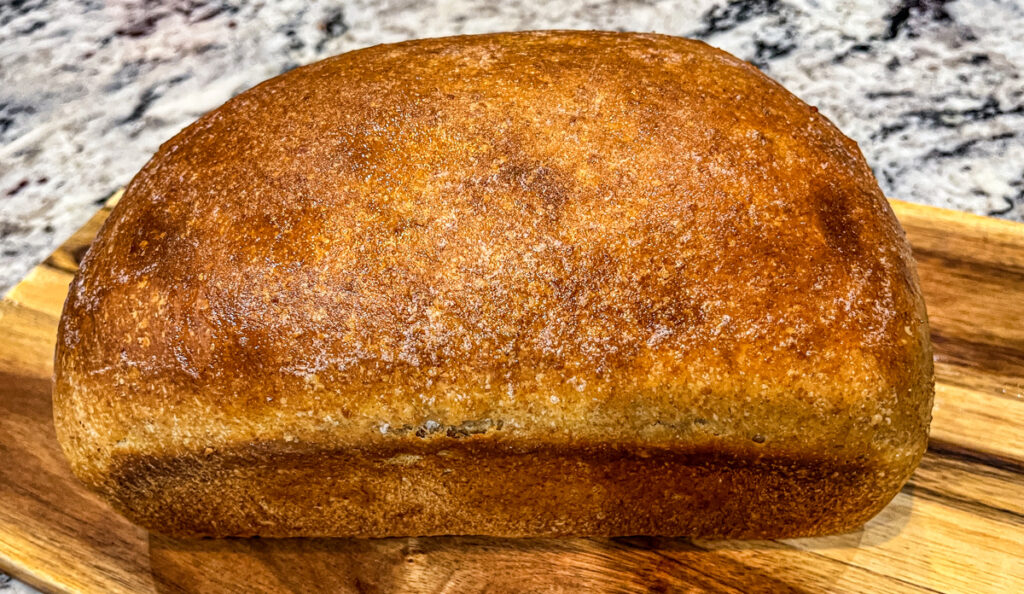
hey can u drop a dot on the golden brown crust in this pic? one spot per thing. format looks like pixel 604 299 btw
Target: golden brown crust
pixel 535 239
pixel 485 488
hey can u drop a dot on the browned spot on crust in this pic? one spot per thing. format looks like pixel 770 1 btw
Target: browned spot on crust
pixel 838 223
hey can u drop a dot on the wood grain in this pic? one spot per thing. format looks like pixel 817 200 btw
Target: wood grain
pixel 958 526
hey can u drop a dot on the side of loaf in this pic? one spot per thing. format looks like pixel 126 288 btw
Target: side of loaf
pixel 541 283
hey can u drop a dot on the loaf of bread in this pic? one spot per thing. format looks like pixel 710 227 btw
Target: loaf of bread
pixel 548 283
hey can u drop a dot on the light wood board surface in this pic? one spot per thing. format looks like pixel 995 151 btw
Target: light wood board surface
pixel 958 526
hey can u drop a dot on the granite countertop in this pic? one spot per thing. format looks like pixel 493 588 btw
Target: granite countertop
pixel 931 89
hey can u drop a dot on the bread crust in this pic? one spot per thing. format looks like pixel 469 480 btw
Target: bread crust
pixel 624 265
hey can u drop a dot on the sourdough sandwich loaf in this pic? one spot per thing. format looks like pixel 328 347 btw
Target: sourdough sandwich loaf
pixel 543 283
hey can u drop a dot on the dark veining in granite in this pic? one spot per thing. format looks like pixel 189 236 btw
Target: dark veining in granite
pixel 721 18
pixel 198 11
pixel 951 118
pixel 910 13
pixel 1012 201
pixel 10 112
pixel 332 26
pixel 11 9
pixel 964 147
pixel 149 96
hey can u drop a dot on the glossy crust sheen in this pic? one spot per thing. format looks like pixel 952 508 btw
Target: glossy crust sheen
pixel 516 284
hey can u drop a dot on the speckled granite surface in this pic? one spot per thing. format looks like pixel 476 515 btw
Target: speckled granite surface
pixel 931 89
pixel 9 585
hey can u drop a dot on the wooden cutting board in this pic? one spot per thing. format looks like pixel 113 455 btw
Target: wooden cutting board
pixel 957 526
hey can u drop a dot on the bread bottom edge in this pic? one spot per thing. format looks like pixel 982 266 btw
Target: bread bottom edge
pixel 480 487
